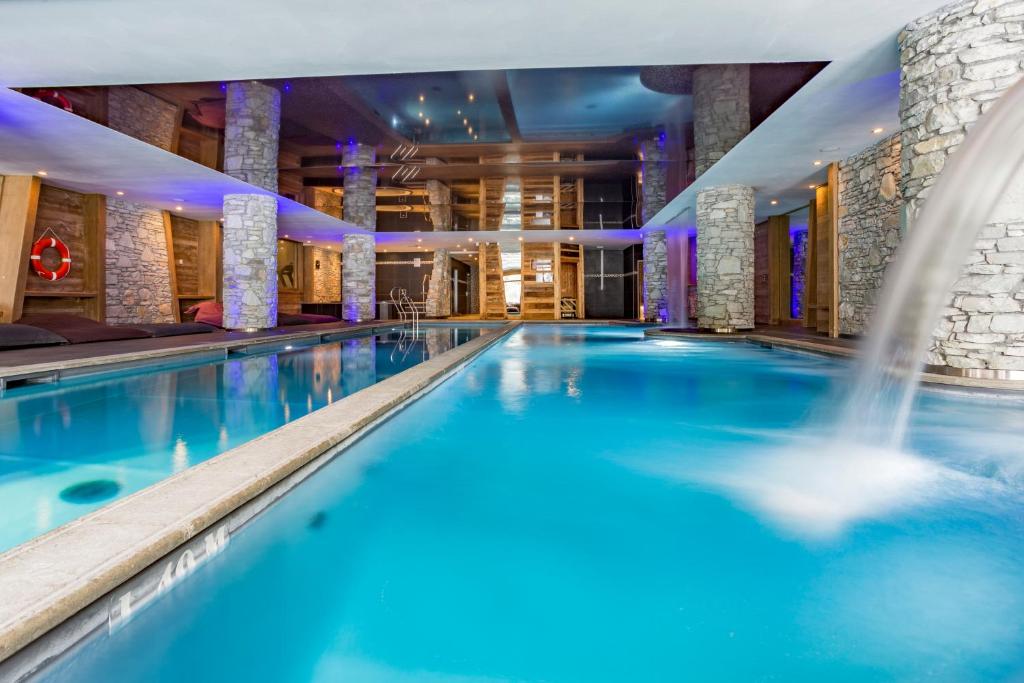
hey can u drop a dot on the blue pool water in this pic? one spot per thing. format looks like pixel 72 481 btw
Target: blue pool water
pixel 68 449
pixel 581 504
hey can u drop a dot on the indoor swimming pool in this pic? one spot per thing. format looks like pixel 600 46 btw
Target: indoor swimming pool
pixel 71 448
pixel 578 504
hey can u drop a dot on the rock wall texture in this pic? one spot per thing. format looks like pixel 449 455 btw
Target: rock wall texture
pixel 250 261
pixel 655 176
pixel 955 63
pixel 870 207
pixel 360 205
pixel 721 111
pixel 725 257
pixel 326 280
pixel 253 116
pixel 358 280
pixel 655 248
pixel 138 278
pixel 141 115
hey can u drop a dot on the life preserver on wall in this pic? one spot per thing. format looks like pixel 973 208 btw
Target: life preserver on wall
pixel 41 245
pixel 54 98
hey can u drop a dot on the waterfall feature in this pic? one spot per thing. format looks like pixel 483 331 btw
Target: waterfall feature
pixel 931 259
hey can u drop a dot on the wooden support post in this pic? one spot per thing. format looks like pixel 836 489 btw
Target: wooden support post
pixel 172 264
pixel 778 268
pixel 19 198
pixel 811 268
pixel 95 279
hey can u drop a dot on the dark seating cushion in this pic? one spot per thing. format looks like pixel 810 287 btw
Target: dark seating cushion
pixel 289 319
pixel 17 336
pixel 79 330
pixel 176 329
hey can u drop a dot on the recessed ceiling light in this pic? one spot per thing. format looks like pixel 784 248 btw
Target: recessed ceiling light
pixel 817 162
pixel 177 208
pixel 465 122
pixel 427 122
pixel 419 239
pixel 42 173
pixel 520 239
pixel 420 115
pixel 471 97
pixel 120 193
pixel 471 130
pixel 774 202
pixel 458 112
pixel 876 131
pixel 286 235
pixel 812 187
pixel 422 98
pixel 309 241
pixel 572 239
pixel 458 246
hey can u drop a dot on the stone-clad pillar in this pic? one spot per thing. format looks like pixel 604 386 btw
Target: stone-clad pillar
pixel 253 122
pixel 439 295
pixel 725 257
pixel 955 63
pixel 654 196
pixel 725 215
pixel 359 260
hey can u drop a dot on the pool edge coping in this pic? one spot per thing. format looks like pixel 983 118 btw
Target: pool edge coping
pixel 935 380
pixel 40 589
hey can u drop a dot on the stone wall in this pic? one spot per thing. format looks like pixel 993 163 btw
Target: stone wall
pixel 251 134
pixel 870 206
pixel 439 293
pixel 138 278
pixel 358 280
pixel 725 257
pixel 655 177
pixel 721 111
pixel 250 261
pixel 655 248
pixel 955 63
pixel 141 115
pixel 326 280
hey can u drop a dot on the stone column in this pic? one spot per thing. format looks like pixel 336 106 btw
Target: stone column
pixel 138 274
pixel 359 260
pixel 955 63
pixel 725 257
pixel 725 214
pixel 474 288
pixel 439 295
pixel 253 122
pixel 653 193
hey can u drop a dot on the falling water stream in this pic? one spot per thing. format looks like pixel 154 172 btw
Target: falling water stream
pixel 919 282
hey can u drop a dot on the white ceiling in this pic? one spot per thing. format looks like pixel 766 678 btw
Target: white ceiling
pixel 92 42
pixel 80 155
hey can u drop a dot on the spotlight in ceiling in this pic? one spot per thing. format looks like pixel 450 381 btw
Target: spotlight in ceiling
pixel 177 208
pixel 471 97
pixel 120 193
pixel 42 173
pixel 774 202
pixel 817 162
pixel 572 239
pixel 420 114
pixel 423 98
pixel 427 121
pixel 877 131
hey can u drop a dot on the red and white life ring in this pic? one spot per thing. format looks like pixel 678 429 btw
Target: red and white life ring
pixel 55 98
pixel 41 245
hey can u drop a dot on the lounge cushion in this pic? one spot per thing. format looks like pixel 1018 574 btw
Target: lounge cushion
pixel 176 329
pixel 209 312
pixel 79 330
pixel 17 336
pixel 288 319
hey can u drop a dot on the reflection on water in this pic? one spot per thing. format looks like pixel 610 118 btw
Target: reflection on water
pixel 135 429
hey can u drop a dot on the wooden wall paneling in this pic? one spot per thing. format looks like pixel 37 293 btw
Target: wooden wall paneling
pixel 811 287
pixel 172 266
pixel 95 215
pixel 827 256
pixel 539 298
pixel 19 199
pixel 833 230
pixel 779 268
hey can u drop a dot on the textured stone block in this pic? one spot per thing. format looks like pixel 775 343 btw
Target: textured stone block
pixel 725 257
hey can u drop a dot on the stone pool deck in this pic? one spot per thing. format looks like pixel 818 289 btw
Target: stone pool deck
pixel 76 579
